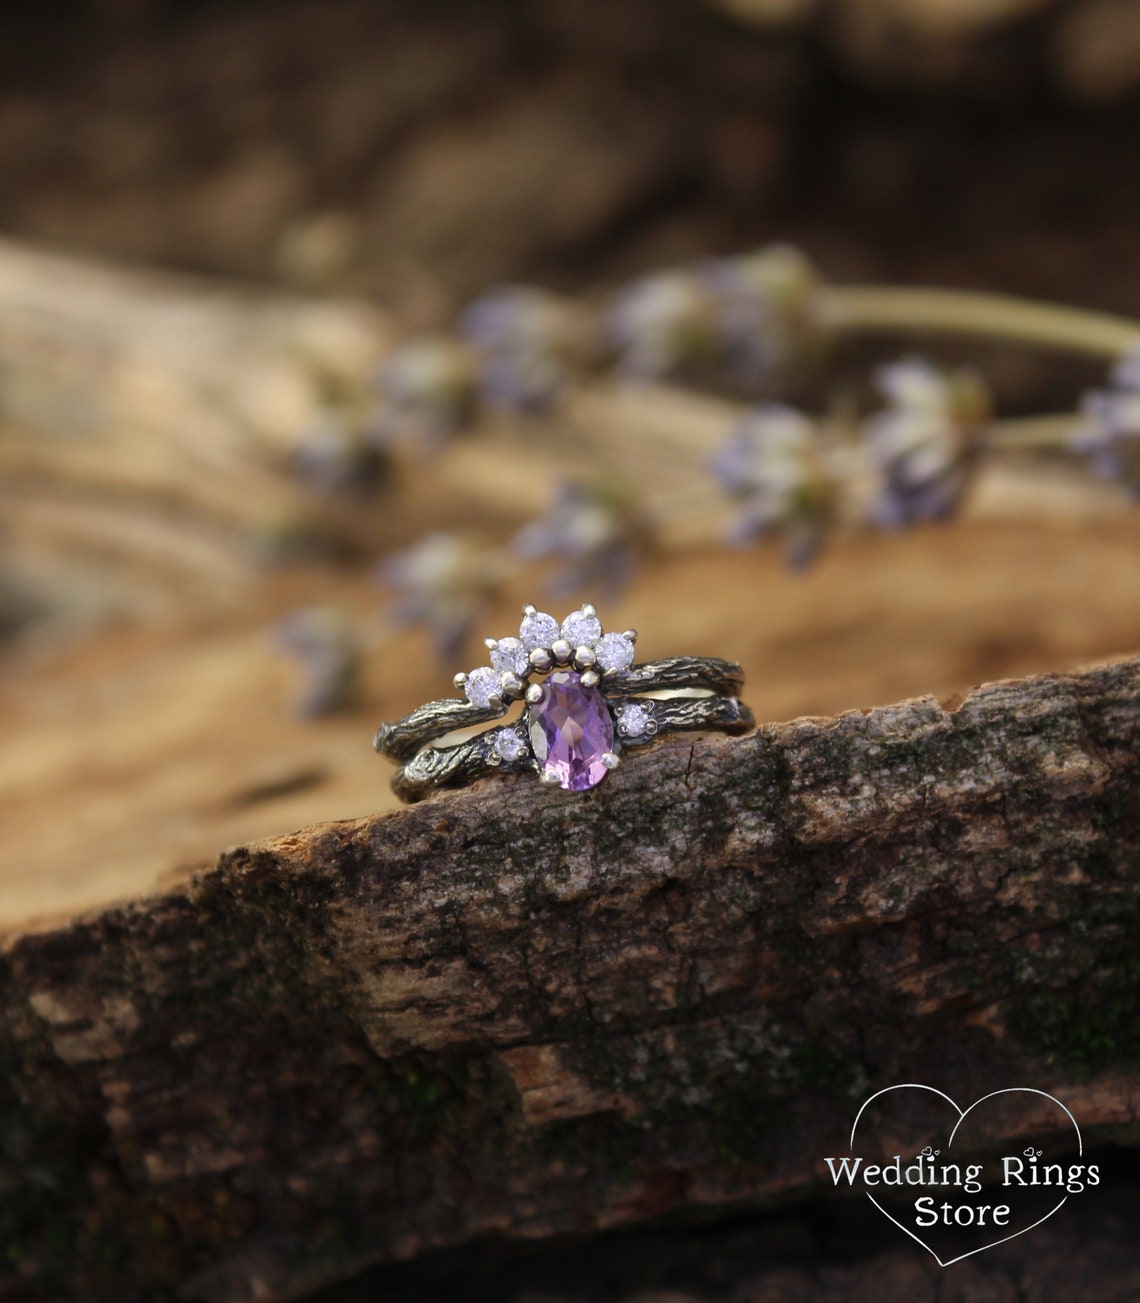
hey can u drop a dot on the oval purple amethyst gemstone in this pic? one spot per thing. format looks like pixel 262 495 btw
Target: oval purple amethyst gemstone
pixel 571 729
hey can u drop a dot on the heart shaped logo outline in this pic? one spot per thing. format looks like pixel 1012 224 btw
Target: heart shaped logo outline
pixel 962 1114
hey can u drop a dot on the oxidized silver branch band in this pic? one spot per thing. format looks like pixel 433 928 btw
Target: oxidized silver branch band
pixel 585 704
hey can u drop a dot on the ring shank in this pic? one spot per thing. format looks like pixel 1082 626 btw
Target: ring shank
pixel 402 739
pixel 433 768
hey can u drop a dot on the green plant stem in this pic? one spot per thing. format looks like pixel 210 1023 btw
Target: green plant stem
pixel 859 309
pixel 1052 433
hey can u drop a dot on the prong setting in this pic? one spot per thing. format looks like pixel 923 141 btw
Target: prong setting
pixel 635 719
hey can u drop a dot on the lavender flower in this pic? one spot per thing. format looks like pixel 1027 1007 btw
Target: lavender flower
pixel 1110 434
pixel 443 582
pixel 324 642
pixel 333 456
pixel 765 309
pixel 923 446
pixel 427 393
pixel 662 325
pixel 773 466
pixel 527 341
pixel 595 533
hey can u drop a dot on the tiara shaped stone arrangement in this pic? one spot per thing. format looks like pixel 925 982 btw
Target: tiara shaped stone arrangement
pixel 580 685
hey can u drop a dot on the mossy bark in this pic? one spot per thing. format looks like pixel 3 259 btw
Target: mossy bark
pixel 522 1011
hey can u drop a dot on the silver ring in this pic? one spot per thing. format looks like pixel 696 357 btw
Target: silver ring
pixel 585 703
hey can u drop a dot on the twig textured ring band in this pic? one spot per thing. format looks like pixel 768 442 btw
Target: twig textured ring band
pixel 585 704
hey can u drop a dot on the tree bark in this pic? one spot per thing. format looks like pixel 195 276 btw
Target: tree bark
pixel 522 1011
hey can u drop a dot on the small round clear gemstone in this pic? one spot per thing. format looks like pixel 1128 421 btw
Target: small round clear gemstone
pixel 538 630
pixel 581 630
pixel 508 744
pixel 614 652
pixel 511 657
pixel 634 719
pixel 482 684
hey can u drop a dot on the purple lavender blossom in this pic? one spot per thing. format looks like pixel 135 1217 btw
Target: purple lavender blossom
pixel 526 342
pixel 923 444
pixel 765 311
pixel 772 466
pixel 594 533
pixel 427 393
pixel 443 582
pixel 662 325
pixel 324 643
pixel 333 456
pixel 1109 436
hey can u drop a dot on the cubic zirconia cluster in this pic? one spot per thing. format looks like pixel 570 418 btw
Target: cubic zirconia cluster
pixel 569 727
pixel 542 645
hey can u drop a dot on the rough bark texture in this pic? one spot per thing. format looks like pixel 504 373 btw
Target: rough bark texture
pixel 819 1252
pixel 523 1011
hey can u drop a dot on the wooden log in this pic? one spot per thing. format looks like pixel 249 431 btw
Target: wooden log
pixel 512 1010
